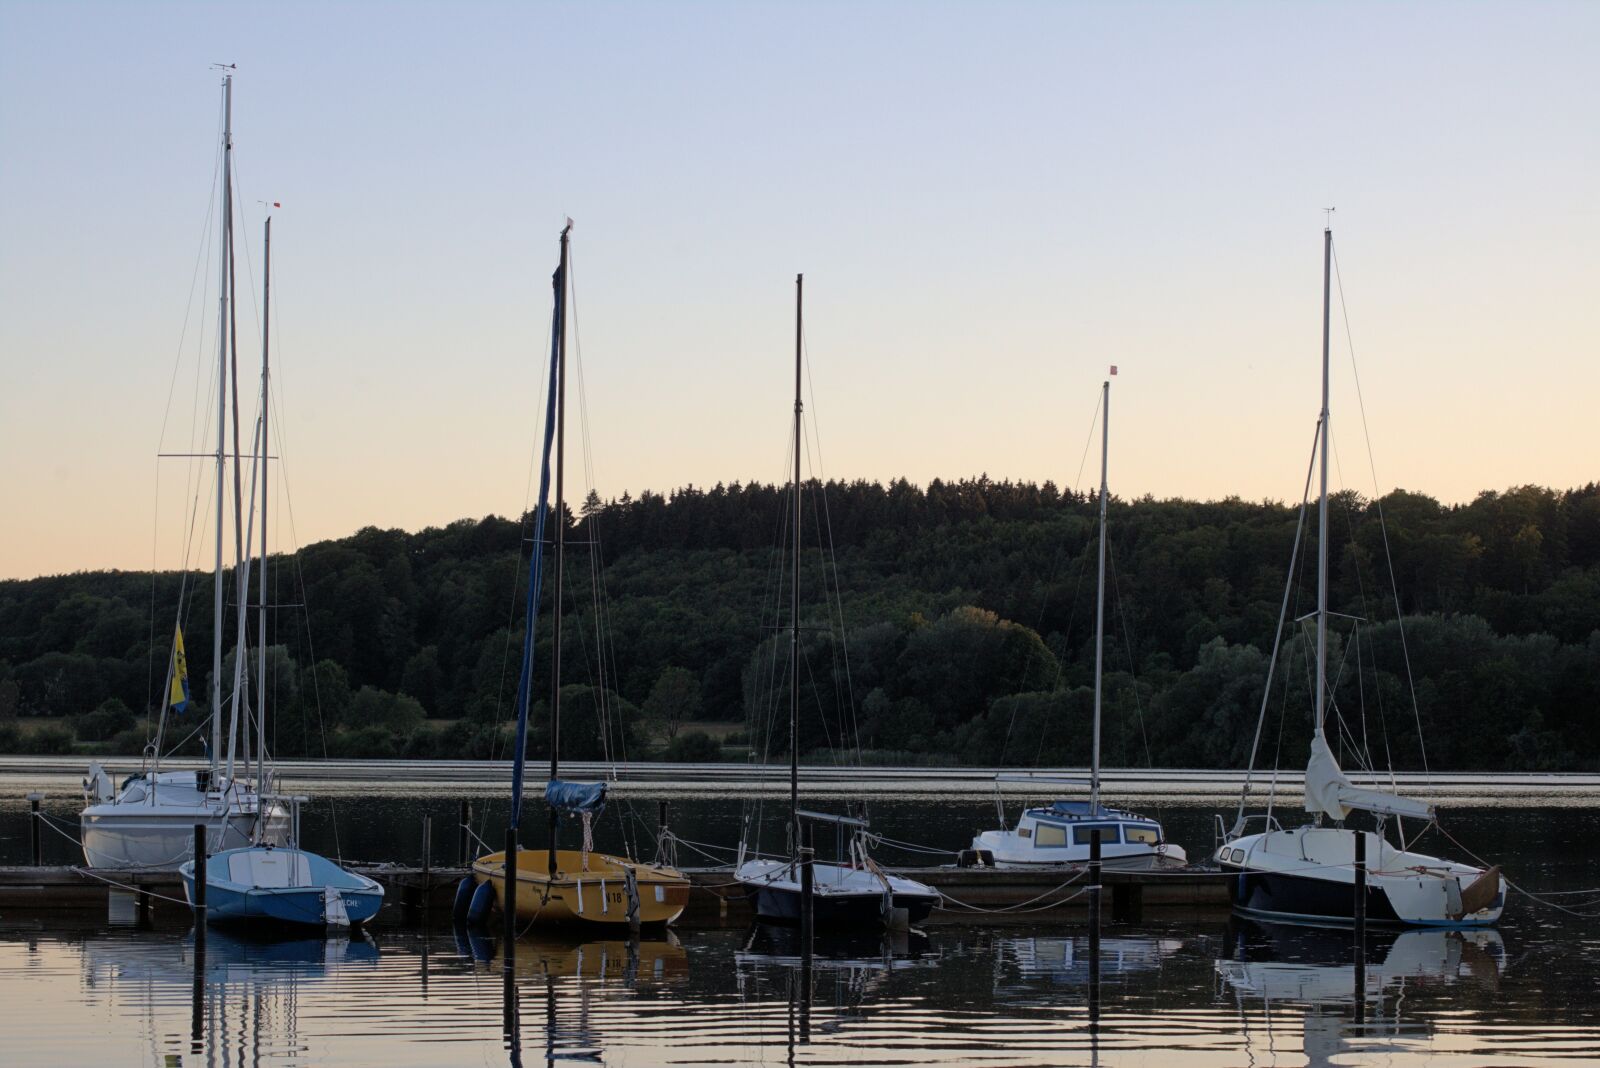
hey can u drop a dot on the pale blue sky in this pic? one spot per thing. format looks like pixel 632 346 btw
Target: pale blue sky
pixel 991 202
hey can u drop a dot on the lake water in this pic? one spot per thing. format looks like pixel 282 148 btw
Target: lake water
pixel 1209 991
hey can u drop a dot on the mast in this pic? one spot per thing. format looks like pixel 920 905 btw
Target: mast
pixel 261 583
pixel 1322 503
pixel 559 515
pixel 222 421
pixel 794 592
pixel 241 577
pixel 1100 595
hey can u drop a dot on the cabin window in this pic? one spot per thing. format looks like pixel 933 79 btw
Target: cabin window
pixel 1141 835
pixel 1237 856
pixel 1085 835
pixel 1050 836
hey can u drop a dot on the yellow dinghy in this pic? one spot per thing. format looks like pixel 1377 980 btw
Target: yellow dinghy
pixel 587 889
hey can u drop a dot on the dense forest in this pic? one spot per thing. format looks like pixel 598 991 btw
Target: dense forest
pixel 946 624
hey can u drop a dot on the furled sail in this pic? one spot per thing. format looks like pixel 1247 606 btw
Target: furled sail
pixel 575 798
pixel 1329 792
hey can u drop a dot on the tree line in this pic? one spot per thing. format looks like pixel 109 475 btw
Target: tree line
pixel 951 623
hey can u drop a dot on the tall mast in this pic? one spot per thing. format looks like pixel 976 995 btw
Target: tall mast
pixel 794 590
pixel 222 420
pixel 1100 595
pixel 261 582
pixel 1322 503
pixel 241 577
pixel 559 515
pixel 559 512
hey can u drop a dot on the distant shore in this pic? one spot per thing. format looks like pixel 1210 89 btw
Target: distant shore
pixel 486 777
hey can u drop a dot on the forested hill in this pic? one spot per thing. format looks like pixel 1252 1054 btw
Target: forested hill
pixel 968 612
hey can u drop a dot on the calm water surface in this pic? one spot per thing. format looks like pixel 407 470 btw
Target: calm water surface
pixel 1207 990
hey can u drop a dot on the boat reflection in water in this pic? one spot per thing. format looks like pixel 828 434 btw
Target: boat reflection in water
pixel 659 959
pixel 235 960
pixel 579 983
pixel 1065 959
pixel 774 975
pixel 230 976
pixel 1352 1008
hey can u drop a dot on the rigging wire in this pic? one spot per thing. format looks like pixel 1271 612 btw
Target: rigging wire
pixel 1383 526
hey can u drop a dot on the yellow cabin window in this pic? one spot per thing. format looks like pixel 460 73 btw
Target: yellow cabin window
pixel 1142 835
pixel 1050 836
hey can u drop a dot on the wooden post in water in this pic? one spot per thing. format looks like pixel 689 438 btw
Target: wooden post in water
pixel 427 847
pixel 1094 928
pixel 508 902
pixel 35 839
pixel 808 893
pixel 1361 927
pixel 200 886
pixel 464 835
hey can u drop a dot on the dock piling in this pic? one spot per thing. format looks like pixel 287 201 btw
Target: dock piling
pixel 199 896
pixel 508 903
pixel 464 835
pixel 1361 927
pixel 808 851
pixel 1094 926
pixel 35 838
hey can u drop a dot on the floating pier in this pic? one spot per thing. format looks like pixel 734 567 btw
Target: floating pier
pixel 423 895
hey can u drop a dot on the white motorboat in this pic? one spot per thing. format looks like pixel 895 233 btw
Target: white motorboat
pixel 1064 832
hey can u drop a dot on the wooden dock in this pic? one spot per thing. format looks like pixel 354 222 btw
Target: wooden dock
pixel 973 895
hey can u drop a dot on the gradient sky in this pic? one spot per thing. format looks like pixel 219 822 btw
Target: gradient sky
pixel 991 202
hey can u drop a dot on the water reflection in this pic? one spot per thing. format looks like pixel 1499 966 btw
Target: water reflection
pixel 1214 994
pixel 1065 959
pixel 1352 995
pixel 578 982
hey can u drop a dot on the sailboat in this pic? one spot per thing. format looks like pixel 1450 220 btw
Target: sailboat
pixel 261 882
pixel 1064 832
pixel 842 894
pixel 565 886
pixel 1309 872
pixel 148 821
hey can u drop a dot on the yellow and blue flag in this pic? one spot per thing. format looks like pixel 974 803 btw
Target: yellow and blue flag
pixel 178 699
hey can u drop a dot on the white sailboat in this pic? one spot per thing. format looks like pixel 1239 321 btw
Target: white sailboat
pixel 1064 832
pixel 148 821
pixel 1309 872
pixel 849 893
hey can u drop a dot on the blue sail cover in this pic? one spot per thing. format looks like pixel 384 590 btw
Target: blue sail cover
pixel 573 798
pixel 536 564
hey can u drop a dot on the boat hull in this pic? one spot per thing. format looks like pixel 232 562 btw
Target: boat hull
pixel 150 838
pixel 1307 874
pixel 779 905
pixel 304 904
pixel 592 896
pixel 301 907
pixel 841 897
pixel 1300 897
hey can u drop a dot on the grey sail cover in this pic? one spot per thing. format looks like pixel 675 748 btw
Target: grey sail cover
pixel 1329 792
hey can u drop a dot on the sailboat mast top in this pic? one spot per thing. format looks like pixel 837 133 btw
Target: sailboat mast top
pixel 1322 502
pixel 1100 594
pixel 261 595
pixel 558 514
pixel 222 422
pixel 794 588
